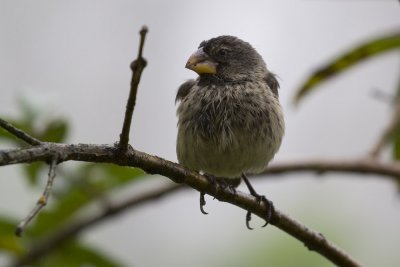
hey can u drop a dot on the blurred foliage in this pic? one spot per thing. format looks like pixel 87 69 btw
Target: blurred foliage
pixel 396 133
pixel 396 144
pixel 75 254
pixel 55 130
pixel 349 59
pixel 9 242
pixel 76 189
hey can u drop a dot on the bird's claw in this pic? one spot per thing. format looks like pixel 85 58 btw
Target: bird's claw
pixel 202 203
pixel 213 183
pixel 248 219
pixel 260 198
pixel 270 211
pixel 270 208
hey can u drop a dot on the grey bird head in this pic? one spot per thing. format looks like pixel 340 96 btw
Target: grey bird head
pixel 227 59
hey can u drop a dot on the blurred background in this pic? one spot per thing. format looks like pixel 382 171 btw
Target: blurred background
pixel 68 61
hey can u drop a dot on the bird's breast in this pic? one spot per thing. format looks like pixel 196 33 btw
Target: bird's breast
pixel 230 128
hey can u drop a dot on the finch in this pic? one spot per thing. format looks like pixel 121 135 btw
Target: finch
pixel 230 122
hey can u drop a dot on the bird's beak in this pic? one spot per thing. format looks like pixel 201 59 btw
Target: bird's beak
pixel 201 63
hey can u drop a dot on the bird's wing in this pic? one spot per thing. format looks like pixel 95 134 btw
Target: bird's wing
pixel 272 83
pixel 184 89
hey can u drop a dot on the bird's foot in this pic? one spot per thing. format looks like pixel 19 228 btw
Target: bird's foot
pixel 225 183
pixel 270 210
pixel 213 183
pixel 260 199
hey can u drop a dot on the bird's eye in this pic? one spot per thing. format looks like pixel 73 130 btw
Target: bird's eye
pixel 223 52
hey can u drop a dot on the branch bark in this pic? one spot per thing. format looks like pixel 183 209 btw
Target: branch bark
pixel 137 68
pixel 177 173
pixel 42 201
pixel 19 134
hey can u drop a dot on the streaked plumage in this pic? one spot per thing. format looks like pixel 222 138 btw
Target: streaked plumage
pixel 230 122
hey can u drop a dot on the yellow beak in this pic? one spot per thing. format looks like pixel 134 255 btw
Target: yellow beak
pixel 201 63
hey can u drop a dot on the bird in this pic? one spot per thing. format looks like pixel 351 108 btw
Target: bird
pixel 230 121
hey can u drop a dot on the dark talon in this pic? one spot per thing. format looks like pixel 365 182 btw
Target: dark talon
pixel 265 224
pixel 248 219
pixel 270 209
pixel 213 183
pixel 260 198
pixel 202 203
pixel 232 189
pixel 211 179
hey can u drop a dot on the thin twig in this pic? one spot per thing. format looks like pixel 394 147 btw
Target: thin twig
pixel 19 134
pixel 177 173
pixel 137 68
pixel 363 166
pixel 71 230
pixel 391 128
pixel 42 201
pixel 388 132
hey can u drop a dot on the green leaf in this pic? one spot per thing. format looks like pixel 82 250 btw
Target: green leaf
pixel 74 254
pixel 51 218
pixel 348 59
pixel 97 179
pixel 113 176
pixel 87 184
pixel 396 147
pixel 9 242
pixel 33 170
pixel 396 132
pixel 26 122
pixel 24 125
pixel 55 131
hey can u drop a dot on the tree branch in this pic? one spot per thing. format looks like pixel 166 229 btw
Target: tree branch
pixel 177 173
pixel 388 131
pixel 19 134
pixel 391 128
pixel 71 230
pixel 362 166
pixel 42 201
pixel 137 68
